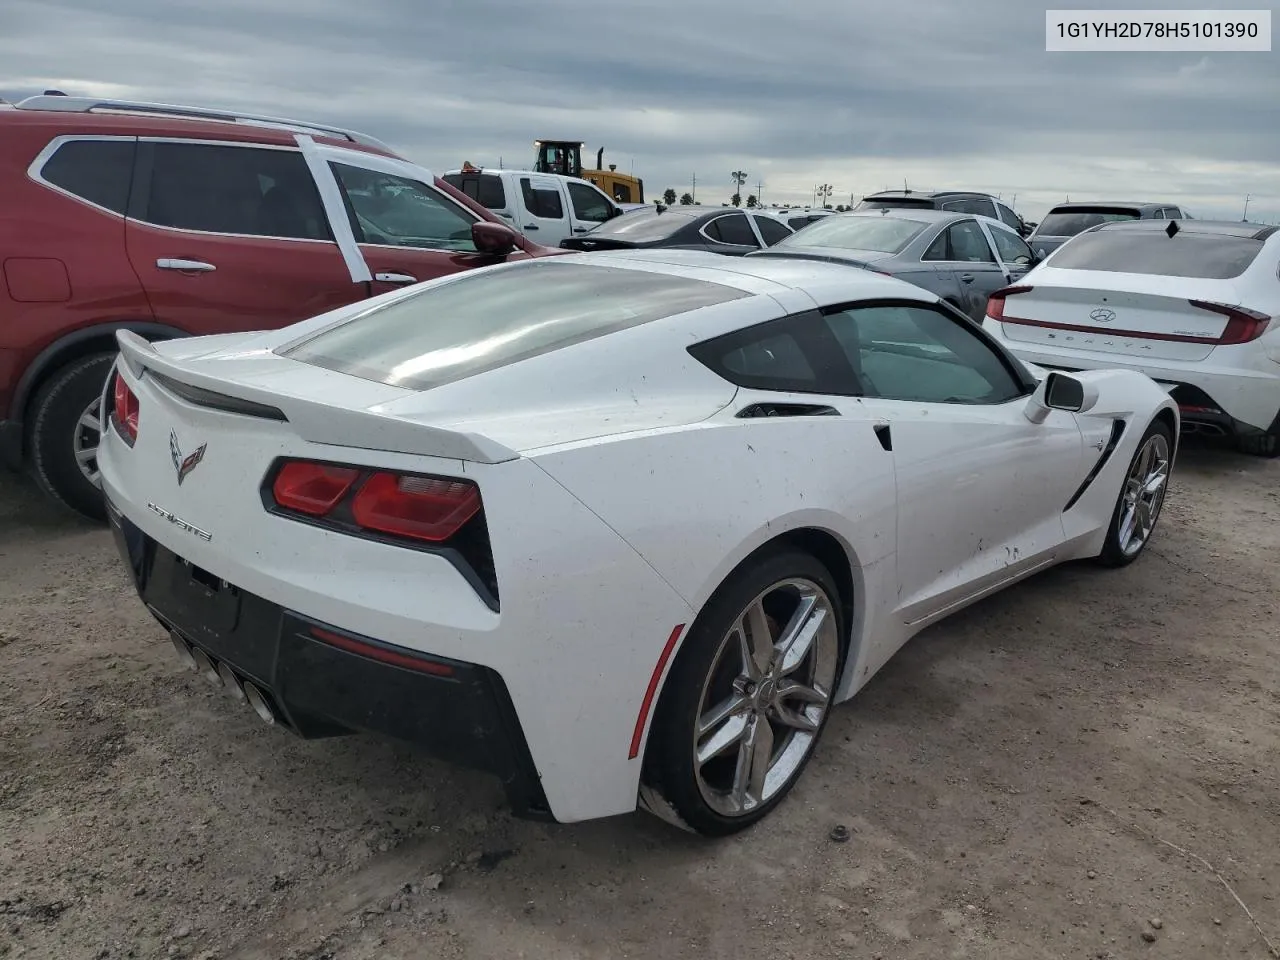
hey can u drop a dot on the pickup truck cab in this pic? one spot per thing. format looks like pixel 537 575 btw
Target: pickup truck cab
pixel 545 207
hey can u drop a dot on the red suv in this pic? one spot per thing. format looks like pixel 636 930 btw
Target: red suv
pixel 175 221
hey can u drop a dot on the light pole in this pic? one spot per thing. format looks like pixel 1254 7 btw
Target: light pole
pixel 823 193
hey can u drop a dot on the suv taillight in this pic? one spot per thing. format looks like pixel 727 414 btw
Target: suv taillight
pixel 1243 325
pixel 995 303
pixel 124 410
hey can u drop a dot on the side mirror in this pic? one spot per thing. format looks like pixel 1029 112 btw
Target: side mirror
pixel 493 239
pixel 1060 391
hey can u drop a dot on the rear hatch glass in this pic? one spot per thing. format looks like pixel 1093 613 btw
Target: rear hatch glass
pixel 883 234
pixel 477 322
pixel 1201 256
pixel 1068 223
pixel 895 203
pixel 643 226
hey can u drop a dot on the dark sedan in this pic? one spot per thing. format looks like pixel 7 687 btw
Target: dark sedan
pixel 718 230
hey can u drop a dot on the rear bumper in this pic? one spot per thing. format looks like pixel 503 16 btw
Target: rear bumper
pixel 1224 399
pixel 320 680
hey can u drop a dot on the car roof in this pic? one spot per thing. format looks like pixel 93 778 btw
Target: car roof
pixel 1241 229
pixel 1093 205
pixel 87 115
pixel 922 214
pixel 926 194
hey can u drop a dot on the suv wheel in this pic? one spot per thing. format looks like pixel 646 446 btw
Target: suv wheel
pixel 66 427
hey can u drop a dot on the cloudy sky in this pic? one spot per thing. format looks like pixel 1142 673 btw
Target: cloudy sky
pixel 861 94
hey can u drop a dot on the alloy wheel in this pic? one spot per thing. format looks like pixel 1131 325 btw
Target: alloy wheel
pixel 85 439
pixel 1143 495
pixel 765 697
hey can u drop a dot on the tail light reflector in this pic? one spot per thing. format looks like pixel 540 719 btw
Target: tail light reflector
pixel 1243 324
pixel 423 508
pixel 125 410
pixel 995 303
pixel 312 488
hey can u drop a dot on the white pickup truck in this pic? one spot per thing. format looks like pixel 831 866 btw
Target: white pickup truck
pixel 545 207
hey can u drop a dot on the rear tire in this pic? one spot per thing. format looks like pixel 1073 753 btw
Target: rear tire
pixel 768 716
pixel 1260 444
pixel 66 428
pixel 1141 497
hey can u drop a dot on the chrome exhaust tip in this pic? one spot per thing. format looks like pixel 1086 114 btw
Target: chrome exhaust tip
pixel 206 667
pixel 231 682
pixel 183 651
pixel 260 705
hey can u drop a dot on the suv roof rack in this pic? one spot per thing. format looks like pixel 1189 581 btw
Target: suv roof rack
pixel 89 104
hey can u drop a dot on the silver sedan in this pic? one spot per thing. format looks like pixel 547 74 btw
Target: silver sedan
pixel 960 257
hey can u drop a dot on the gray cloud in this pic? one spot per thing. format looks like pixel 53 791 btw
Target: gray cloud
pixel 858 95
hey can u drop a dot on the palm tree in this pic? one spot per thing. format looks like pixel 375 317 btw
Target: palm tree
pixel 669 197
pixel 738 177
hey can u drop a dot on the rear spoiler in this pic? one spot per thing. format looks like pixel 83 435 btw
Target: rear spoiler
pixel 317 421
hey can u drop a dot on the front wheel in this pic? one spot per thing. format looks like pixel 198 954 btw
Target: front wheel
pixel 66 428
pixel 1141 497
pixel 749 694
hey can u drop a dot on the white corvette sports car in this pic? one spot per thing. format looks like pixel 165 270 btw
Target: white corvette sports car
pixel 619 528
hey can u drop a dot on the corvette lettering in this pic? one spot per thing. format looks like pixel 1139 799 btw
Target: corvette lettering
pixel 178 522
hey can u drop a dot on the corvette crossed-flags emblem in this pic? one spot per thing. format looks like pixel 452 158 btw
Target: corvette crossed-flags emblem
pixel 184 465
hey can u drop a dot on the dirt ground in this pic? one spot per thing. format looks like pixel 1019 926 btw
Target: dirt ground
pixel 1035 778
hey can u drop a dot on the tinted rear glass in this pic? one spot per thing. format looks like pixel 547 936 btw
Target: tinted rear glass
pixel 97 170
pixel 882 234
pixel 897 203
pixel 1198 255
pixel 641 226
pixel 1067 223
pixel 485 189
pixel 482 321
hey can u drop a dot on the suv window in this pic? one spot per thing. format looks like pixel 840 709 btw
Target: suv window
pixel 1011 247
pixel 484 188
pixel 916 353
pixel 238 190
pixel 1008 216
pixel 771 230
pixel 541 202
pixel 982 206
pixel 588 203
pixel 398 212
pixel 731 228
pixel 99 171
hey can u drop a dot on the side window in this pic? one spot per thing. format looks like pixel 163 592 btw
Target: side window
pixel 915 353
pixel 771 230
pixel 622 192
pixel 797 222
pixel 239 190
pixel 1010 247
pixel 939 249
pixel 968 245
pixel 541 202
pixel 394 211
pixel 981 206
pixel 768 356
pixel 732 228
pixel 484 189
pixel 99 171
pixel 1008 216
pixel 588 203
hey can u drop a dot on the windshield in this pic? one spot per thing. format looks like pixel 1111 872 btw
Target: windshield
pixel 1067 223
pixel 481 321
pixel 881 234
pixel 1199 255
pixel 640 226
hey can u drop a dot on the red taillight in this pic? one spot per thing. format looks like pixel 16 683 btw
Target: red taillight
pixel 1243 325
pixel 312 488
pixel 125 410
pixel 995 303
pixel 423 508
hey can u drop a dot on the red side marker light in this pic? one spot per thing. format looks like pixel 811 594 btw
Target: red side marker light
pixel 647 704
pixel 382 654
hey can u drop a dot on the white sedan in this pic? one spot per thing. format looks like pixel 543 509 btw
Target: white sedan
pixel 1190 303
pixel 620 528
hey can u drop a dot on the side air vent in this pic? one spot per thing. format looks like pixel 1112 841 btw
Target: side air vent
pixel 198 396
pixel 1117 431
pixel 787 410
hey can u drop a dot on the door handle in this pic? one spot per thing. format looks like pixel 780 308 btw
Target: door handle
pixel 966 278
pixel 192 266
pixel 579 229
pixel 394 278
pixel 532 226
